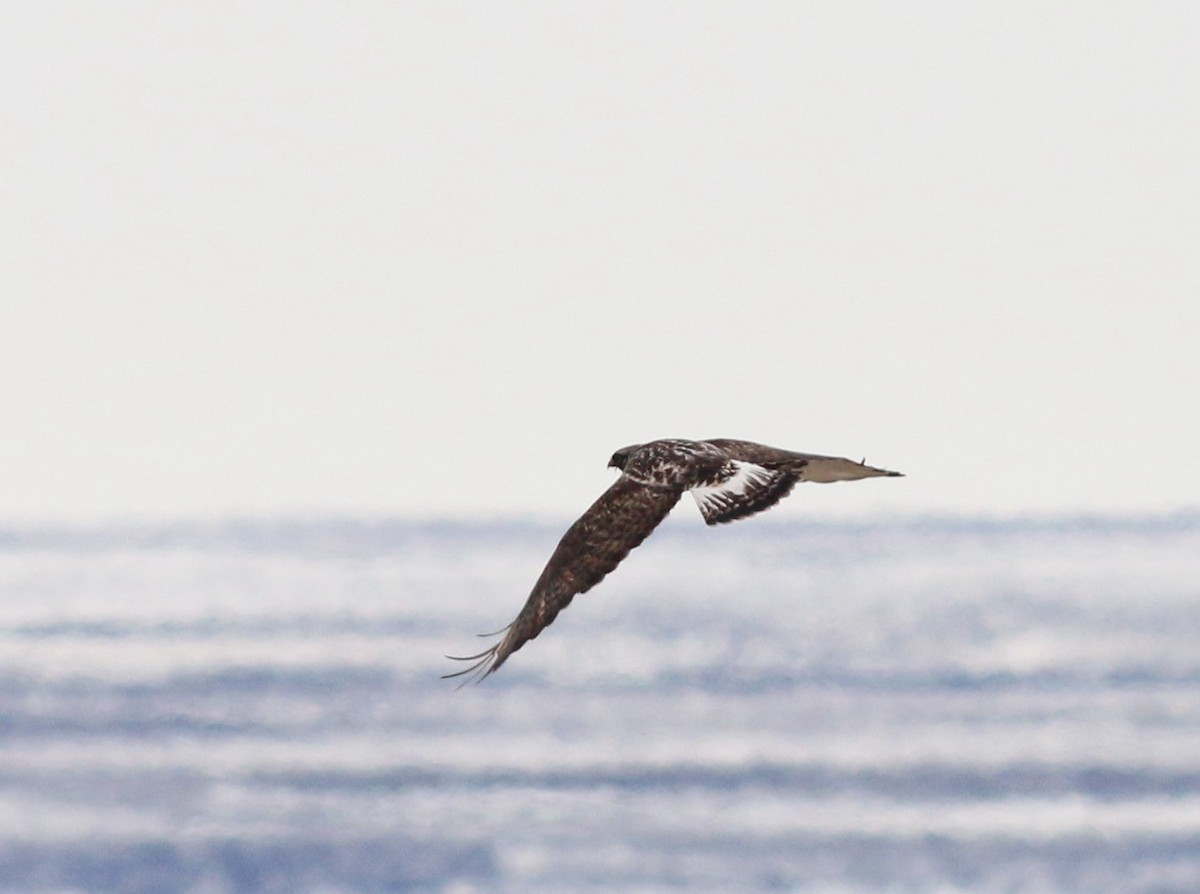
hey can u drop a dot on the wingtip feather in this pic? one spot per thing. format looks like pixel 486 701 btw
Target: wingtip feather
pixel 486 662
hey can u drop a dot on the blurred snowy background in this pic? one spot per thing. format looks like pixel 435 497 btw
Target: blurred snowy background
pixel 947 706
pixel 392 262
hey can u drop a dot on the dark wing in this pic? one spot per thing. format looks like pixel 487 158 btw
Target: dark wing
pixel 621 519
pixel 743 490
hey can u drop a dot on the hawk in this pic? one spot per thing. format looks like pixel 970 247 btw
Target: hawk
pixel 730 479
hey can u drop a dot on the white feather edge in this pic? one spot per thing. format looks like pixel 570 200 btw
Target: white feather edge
pixel 744 476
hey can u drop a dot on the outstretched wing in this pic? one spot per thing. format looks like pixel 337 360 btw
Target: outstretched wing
pixel 756 477
pixel 621 519
pixel 746 489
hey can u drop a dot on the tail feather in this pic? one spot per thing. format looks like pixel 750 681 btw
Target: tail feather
pixel 824 469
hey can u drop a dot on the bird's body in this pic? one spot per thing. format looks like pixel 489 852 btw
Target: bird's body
pixel 729 479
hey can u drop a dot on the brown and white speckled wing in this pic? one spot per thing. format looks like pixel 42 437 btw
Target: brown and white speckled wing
pixel 620 520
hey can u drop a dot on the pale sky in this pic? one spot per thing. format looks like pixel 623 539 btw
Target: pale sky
pixel 413 259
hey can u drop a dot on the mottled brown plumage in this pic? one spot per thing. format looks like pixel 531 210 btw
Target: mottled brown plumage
pixel 730 479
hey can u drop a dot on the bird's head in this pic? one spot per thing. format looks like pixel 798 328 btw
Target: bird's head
pixel 621 457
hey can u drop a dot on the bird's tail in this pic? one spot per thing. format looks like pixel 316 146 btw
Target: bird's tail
pixel 824 469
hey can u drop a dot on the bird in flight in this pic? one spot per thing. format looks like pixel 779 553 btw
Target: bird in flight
pixel 730 479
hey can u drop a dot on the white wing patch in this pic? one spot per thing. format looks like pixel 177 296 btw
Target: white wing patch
pixel 748 489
